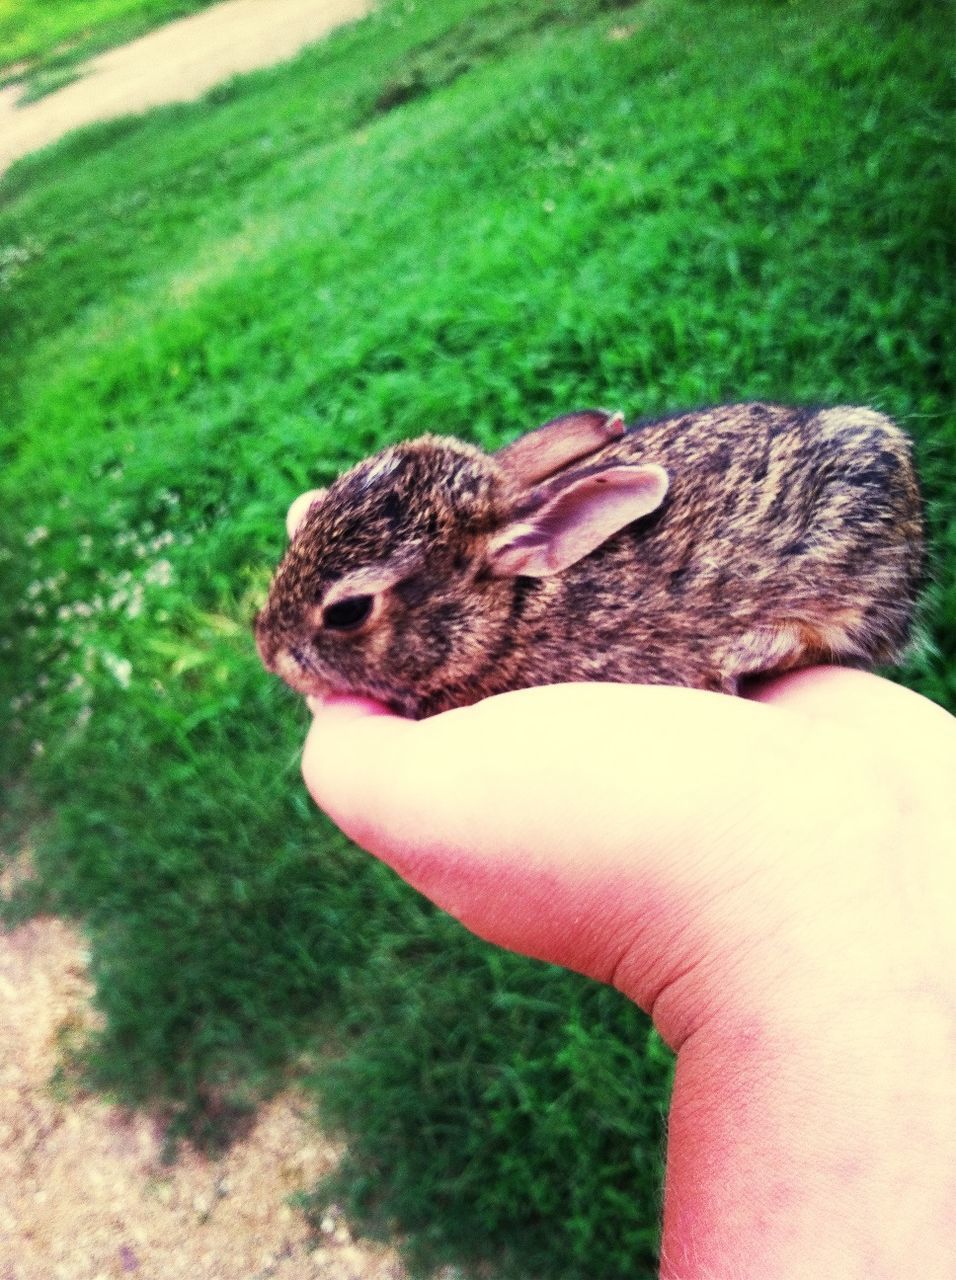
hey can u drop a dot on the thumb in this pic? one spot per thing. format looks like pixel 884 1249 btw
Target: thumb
pixel 601 827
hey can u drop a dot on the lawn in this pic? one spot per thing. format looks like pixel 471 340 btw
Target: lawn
pixel 467 216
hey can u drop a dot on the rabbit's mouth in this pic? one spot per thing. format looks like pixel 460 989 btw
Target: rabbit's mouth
pixel 302 662
pixel 297 668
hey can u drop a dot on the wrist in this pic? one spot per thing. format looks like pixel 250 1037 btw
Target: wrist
pixel 799 1151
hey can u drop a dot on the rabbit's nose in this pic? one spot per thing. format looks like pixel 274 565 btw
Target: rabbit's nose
pixel 301 508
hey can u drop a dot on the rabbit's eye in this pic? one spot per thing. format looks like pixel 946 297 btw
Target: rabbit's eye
pixel 346 615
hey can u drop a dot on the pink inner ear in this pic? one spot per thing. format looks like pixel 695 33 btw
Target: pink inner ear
pixel 575 519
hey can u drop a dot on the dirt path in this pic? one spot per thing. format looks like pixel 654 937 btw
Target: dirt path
pixel 84 1193
pixel 175 63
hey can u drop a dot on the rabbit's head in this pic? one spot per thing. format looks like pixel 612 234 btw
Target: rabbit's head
pixel 401 578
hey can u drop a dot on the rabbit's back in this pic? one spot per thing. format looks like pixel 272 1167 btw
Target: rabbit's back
pixel 787 536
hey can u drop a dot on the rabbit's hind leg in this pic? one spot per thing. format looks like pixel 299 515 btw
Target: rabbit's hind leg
pixel 773 648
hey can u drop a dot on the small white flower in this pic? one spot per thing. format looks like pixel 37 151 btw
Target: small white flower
pixel 37 535
pixel 121 669
pixel 159 574
pixel 135 606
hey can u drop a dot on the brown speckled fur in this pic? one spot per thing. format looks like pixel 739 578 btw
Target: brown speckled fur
pixel 787 536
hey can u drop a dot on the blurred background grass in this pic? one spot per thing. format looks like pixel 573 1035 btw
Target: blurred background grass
pixel 464 216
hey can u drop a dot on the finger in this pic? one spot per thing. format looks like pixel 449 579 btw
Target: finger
pixel 903 722
pixel 576 823
pixel 444 803
pixel 345 763
pixel 520 759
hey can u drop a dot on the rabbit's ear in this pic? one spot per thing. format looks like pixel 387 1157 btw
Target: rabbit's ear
pixel 573 519
pixel 559 443
pixel 300 509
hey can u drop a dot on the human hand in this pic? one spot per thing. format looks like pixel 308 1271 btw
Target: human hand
pixel 774 880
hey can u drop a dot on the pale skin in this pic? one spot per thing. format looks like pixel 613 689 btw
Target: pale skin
pixel 773 879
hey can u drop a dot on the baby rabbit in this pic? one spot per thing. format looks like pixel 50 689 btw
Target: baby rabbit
pixel 695 550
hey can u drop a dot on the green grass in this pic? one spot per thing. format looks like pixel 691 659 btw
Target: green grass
pixel 456 216
pixel 43 45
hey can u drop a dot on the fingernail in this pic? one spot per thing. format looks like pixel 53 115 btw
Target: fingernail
pixel 347 704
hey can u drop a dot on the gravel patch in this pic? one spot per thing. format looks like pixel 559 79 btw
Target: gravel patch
pixel 84 1191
